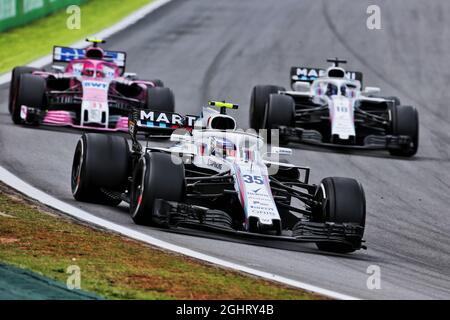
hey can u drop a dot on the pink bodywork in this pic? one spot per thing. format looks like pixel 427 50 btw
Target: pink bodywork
pixel 63 118
pixel 96 71
pixel 88 65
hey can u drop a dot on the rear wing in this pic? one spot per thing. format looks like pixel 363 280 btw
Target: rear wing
pixel 67 54
pixel 305 74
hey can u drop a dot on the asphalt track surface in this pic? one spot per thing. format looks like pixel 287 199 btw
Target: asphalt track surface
pixel 211 49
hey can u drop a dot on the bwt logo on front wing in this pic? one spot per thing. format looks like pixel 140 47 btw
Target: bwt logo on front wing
pixel 95 85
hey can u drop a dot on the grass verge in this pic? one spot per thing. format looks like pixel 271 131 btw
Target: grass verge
pixel 41 240
pixel 22 45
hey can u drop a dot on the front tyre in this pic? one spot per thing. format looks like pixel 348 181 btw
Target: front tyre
pixel 101 162
pixel 155 176
pixel 280 112
pixel 15 76
pixel 258 102
pixel 30 92
pixel 343 202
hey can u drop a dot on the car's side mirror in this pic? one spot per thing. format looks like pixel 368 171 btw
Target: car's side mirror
pixel 58 68
pixel 130 75
pixel 371 90
pixel 281 151
pixel 301 86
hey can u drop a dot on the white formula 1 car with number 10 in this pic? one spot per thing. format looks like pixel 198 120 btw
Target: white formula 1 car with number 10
pixel 329 108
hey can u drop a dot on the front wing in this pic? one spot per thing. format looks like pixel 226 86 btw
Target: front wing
pixel 175 215
pixel 65 118
pixel 371 142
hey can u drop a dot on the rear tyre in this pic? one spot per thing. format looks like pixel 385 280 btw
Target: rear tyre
pixel 155 176
pixel 15 76
pixel 100 162
pixel 345 202
pixel 405 122
pixel 30 92
pixel 160 99
pixel 258 102
pixel 280 112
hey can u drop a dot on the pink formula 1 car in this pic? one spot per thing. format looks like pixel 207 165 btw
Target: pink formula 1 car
pixel 88 88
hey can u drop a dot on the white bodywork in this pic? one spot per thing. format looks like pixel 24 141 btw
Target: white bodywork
pixel 239 153
pixel 95 102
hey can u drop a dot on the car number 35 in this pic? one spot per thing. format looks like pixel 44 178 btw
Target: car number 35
pixel 253 179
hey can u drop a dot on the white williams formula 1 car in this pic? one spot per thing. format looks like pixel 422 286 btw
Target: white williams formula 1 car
pixel 219 179
pixel 329 107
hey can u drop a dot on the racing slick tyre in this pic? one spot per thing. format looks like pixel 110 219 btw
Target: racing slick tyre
pixel 405 122
pixel 258 102
pixel 100 168
pixel 344 203
pixel 15 76
pixel 30 92
pixel 155 176
pixel 280 111
pixel 158 83
pixel 160 99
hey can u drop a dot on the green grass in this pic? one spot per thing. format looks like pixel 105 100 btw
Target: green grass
pixel 115 267
pixel 24 44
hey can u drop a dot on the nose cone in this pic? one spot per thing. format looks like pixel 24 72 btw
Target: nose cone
pixel 342 121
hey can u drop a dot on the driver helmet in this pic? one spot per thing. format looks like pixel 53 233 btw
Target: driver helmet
pixel 332 90
pixel 88 72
